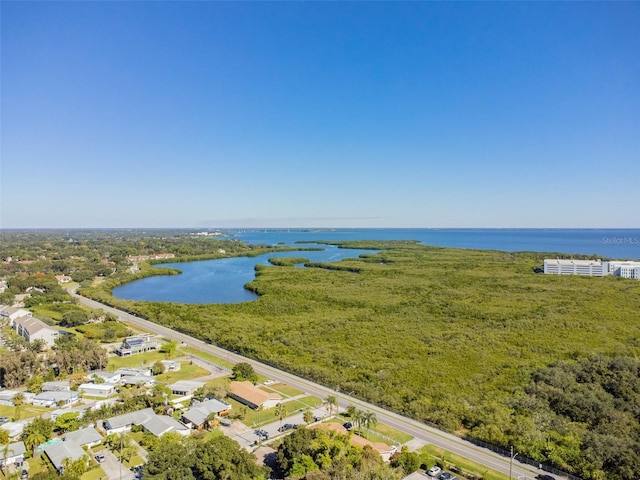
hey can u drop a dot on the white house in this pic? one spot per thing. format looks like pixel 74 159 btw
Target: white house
pixel 85 437
pixel 14 455
pixel 198 414
pixel 185 387
pixel 55 399
pixel 98 389
pixel 150 422
pixel 15 429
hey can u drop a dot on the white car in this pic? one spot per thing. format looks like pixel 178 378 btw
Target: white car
pixel 434 471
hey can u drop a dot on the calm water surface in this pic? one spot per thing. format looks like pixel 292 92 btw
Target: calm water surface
pixel 223 280
pixel 218 281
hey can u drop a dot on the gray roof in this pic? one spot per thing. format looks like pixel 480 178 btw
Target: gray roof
pixel 56 396
pixel 59 451
pixel 84 436
pixel 156 424
pixel 133 418
pixel 135 379
pixel 198 414
pixel 15 449
pixel 186 385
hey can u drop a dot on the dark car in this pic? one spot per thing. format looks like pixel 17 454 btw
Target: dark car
pixel 545 477
pixel 347 425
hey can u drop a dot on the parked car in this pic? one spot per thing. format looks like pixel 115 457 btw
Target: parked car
pixel 24 475
pixel 4 419
pixel 99 458
pixel 434 471
pixel 545 477
pixel 446 476
pixel 225 422
pixel 347 425
pixel 285 427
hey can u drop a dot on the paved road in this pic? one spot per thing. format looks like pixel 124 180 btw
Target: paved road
pixel 421 432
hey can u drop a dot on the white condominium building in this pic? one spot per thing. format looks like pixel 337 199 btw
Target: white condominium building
pixel 625 269
pixel 592 268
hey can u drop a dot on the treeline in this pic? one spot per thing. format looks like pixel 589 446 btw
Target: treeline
pixel 70 356
pixel 593 406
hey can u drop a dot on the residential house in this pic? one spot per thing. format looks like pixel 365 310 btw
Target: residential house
pixel 247 394
pixel 13 455
pixel 62 411
pixel 137 344
pixel 6 397
pixel 85 437
pixel 57 452
pixel 108 377
pixel 62 279
pixel 98 389
pixel 15 429
pixel 185 387
pixel 57 386
pixel 198 414
pixel 155 424
pixel 56 399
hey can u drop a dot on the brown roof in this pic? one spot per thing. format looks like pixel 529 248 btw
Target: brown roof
pixel 254 395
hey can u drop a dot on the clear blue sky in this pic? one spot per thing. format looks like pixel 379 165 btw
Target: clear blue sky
pixel 296 114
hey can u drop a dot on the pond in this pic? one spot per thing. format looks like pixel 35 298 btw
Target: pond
pixel 221 280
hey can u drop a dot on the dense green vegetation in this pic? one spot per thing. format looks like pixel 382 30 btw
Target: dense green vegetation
pixel 459 338
pixel 314 454
pixel 446 336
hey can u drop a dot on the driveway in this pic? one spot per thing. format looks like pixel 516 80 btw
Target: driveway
pixel 113 468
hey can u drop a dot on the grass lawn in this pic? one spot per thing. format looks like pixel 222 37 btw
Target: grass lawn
pixel 94 474
pixel 380 432
pixel 309 401
pixel 207 356
pixel 186 372
pixel 26 411
pixel 282 389
pixel 451 459
pixel 116 362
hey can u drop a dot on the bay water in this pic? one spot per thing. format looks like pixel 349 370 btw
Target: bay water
pixel 223 280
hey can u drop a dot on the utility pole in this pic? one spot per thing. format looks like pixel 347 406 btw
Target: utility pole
pixel 511 456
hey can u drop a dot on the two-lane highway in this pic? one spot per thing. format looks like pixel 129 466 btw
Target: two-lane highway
pixel 418 430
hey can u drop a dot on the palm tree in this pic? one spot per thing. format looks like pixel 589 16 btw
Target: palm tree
pixel 351 410
pixel 280 412
pixel 34 439
pixel 307 416
pixel 331 402
pixel 18 401
pixel 368 419
pixel 210 420
pixel 356 417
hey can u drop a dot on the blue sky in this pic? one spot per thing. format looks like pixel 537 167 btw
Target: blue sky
pixel 324 114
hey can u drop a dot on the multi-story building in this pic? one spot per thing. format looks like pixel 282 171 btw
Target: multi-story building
pixel 137 344
pixel 33 329
pixel 625 269
pixel 592 268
